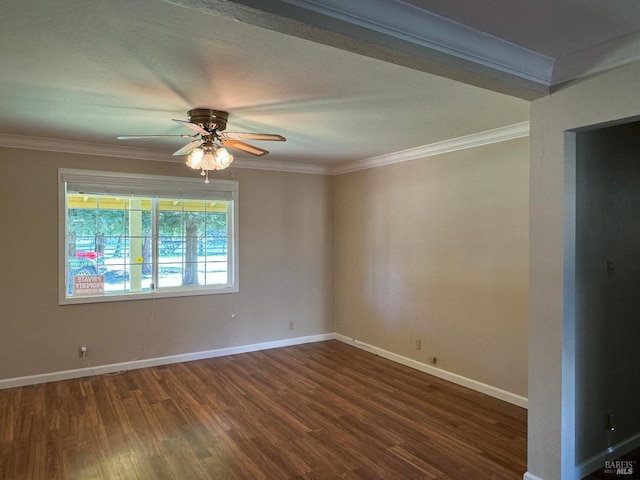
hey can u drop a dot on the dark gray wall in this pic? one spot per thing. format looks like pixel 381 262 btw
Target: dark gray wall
pixel 607 307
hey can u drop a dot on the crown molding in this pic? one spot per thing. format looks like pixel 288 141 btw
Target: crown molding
pixel 502 134
pixel 406 22
pixel 496 135
pixel 612 54
pixel 84 148
pixel 81 148
pixel 397 32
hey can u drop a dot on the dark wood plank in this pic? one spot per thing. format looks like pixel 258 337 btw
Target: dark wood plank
pixel 317 411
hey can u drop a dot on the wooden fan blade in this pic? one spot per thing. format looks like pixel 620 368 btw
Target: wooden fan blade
pixel 130 137
pixel 192 126
pixel 254 136
pixel 188 147
pixel 245 147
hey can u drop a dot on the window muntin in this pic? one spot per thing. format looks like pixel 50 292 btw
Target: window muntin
pixel 130 244
pixel 193 242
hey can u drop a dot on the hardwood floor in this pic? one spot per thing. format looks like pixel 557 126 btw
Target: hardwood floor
pixel 316 411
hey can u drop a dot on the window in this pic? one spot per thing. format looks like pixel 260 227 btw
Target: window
pixel 126 236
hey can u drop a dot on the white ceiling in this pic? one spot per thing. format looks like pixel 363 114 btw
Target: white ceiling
pixel 343 81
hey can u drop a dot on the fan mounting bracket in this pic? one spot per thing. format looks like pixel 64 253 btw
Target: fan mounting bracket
pixel 210 120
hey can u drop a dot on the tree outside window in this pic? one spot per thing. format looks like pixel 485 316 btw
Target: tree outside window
pixel 137 244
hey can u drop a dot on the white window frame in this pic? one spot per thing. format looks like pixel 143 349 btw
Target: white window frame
pixel 150 186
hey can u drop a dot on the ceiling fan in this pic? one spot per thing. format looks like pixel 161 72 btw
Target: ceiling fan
pixel 207 151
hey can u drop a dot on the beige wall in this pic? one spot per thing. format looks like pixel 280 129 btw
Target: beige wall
pixel 607 97
pixel 286 272
pixel 437 249
pixel 434 249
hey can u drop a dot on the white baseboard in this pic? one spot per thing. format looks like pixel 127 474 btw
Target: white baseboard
pixel 597 461
pixel 438 372
pixel 153 362
pixel 187 357
pixel 530 476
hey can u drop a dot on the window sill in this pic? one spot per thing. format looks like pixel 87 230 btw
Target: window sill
pixel 164 293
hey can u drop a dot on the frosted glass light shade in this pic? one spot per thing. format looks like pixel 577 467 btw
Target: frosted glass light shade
pixel 194 159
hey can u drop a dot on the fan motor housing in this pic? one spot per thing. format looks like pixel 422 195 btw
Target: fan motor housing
pixel 209 119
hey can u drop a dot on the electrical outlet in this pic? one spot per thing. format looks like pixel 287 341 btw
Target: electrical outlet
pixel 291 324
pixel 418 344
pixel 83 351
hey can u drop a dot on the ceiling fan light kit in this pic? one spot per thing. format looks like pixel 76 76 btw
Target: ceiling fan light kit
pixel 207 151
pixel 209 157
